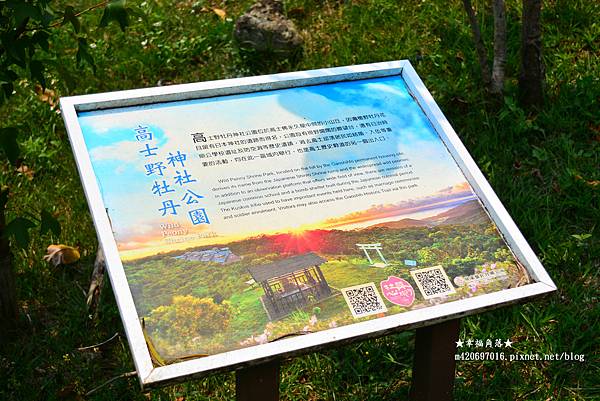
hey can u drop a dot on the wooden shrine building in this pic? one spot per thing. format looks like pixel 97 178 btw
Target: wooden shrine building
pixel 291 283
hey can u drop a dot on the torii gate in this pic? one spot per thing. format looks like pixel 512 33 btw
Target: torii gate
pixel 375 247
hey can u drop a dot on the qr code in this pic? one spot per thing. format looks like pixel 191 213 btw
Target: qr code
pixel 364 300
pixel 432 282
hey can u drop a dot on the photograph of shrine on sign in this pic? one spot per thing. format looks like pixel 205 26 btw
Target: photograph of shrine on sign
pixel 340 205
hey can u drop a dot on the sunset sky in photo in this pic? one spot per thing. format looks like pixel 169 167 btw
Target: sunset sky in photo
pixel 119 162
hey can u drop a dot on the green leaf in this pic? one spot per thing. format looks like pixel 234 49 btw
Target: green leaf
pixel 41 39
pixel 48 15
pixel 49 223
pixel 115 11
pixel 7 88
pixel 16 51
pixel 3 197
pixel 7 77
pixel 23 10
pixel 18 229
pixel 10 75
pixel 70 17
pixel 8 144
pixel 83 54
pixel 36 68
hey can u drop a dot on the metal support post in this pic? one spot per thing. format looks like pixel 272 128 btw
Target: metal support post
pixel 258 382
pixel 434 364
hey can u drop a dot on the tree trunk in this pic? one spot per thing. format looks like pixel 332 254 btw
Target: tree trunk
pixel 479 47
pixel 8 298
pixel 497 84
pixel 531 78
pixel 97 281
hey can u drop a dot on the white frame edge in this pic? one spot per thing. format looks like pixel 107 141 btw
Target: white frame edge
pixel 116 273
pixel 150 375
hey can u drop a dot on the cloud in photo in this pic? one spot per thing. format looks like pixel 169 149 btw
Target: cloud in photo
pixel 445 197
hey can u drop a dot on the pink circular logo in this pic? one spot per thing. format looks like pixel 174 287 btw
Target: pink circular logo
pixel 398 291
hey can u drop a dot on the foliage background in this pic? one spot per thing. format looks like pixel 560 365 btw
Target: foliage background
pixel 543 166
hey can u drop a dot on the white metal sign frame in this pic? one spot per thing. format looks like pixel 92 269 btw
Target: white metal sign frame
pixel 149 375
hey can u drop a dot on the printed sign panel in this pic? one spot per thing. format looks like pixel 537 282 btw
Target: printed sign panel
pixel 249 218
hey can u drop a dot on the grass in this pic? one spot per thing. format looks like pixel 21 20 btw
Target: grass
pixel 337 276
pixel 543 166
pixel 254 318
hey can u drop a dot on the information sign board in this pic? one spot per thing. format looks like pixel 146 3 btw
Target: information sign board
pixel 248 219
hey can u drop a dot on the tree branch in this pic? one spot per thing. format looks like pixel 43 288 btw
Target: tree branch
pixel 8 300
pixel 531 78
pixel 499 65
pixel 99 344
pixel 95 6
pixel 479 47
pixel 97 281
pixel 106 383
pixel 59 22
